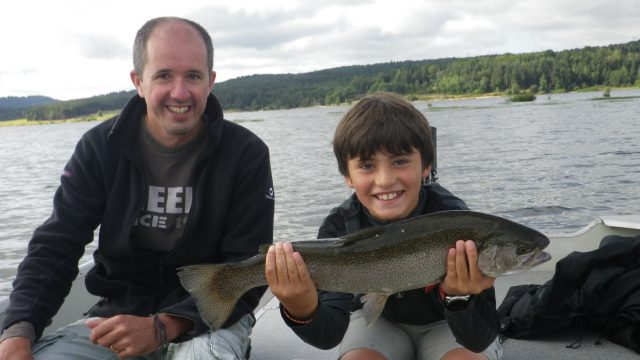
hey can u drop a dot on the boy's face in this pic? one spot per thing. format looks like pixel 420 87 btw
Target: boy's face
pixel 387 185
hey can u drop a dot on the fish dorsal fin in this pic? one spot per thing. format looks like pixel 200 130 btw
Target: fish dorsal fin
pixel 319 246
pixel 309 246
pixel 364 234
pixel 324 245
pixel 373 304
pixel 264 248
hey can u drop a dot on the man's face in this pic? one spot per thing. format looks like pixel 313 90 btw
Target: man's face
pixel 175 83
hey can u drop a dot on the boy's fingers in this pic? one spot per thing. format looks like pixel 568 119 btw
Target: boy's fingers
pixel 281 264
pixel 451 262
pixel 462 269
pixel 472 256
pixel 303 271
pixel 270 267
pixel 292 267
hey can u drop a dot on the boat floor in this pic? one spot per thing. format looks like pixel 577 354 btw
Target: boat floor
pixel 273 340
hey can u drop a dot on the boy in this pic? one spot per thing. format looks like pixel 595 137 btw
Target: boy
pixel 384 151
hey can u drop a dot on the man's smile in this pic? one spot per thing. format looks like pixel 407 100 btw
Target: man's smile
pixel 178 109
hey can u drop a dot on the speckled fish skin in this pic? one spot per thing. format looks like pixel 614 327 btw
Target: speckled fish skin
pixel 380 260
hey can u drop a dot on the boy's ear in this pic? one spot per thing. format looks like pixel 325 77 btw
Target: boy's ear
pixel 426 172
pixel 347 180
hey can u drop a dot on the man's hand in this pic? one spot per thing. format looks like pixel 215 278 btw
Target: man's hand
pixel 463 274
pixel 130 335
pixel 290 281
pixel 126 335
pixel 16 348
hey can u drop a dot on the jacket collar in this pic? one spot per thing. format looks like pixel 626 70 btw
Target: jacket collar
pixel 124 130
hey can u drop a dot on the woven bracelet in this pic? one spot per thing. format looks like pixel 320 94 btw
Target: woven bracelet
pixel 294 320
pixel 160 331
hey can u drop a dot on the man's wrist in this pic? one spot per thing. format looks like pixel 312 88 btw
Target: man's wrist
pixel 22 329
pixel 174 325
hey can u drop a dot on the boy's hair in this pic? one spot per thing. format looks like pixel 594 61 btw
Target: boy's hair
pixel 382 121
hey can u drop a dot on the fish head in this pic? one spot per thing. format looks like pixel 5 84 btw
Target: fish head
pixel 511 248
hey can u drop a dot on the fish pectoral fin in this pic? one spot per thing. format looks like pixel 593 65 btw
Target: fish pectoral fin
pixel 373 304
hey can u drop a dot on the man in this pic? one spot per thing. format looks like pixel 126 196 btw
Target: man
pixel 170 183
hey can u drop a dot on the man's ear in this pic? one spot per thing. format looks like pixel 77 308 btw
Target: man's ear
pixel 212 80
pixel 137 82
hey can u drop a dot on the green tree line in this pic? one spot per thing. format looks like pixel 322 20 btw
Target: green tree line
pixel 537 72
pixel 74 108
pixel 545 72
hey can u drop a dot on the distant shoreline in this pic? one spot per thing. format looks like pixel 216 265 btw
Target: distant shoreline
pixel 24 122
pixel 411 97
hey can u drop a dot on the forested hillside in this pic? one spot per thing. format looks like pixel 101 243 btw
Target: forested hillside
pixel 547 71
pixel 13 107
pixel 80 107
pixel 539 72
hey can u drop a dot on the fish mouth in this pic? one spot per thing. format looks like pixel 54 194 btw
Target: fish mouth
pixel 524 263
pixel 538 258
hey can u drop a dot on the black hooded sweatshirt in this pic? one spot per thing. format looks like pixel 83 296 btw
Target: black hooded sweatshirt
pixel 103 185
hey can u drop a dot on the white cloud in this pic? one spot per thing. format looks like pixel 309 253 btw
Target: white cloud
pixel 75 48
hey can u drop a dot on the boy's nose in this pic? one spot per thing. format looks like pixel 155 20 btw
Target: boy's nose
pixel 385 177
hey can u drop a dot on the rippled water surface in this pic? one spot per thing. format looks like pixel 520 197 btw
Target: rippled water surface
pixel 554 164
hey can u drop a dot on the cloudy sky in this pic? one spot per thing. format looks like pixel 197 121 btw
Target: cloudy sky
pixel 69 49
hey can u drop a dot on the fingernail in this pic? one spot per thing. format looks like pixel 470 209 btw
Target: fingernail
pixel 91 319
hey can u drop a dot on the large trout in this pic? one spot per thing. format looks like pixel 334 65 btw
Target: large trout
pixel 376 261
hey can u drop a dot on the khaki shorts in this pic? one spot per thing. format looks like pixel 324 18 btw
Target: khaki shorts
pixel 72 343
pixel 406 342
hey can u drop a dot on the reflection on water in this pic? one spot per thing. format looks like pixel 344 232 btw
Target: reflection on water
pixel 554 164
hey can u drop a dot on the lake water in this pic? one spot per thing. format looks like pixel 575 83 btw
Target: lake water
pixel 554 164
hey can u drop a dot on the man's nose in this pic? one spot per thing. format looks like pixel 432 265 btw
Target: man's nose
pixel 180 90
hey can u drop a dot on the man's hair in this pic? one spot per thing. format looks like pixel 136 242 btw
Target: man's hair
pixel 382 121
pixel 142 37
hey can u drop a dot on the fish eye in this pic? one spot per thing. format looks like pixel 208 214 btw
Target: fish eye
pixel 521 250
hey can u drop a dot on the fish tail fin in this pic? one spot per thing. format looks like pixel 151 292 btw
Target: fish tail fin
pixel 373 304
pixel 217 288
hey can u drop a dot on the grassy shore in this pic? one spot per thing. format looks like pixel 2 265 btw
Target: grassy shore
pixel 411 97
pixel 95 117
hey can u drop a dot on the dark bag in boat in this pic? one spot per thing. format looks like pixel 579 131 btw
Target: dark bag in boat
pixel 524 313
pixel 597 290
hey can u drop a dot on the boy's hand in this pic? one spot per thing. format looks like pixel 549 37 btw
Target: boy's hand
pixel 290 281
pixel 463 274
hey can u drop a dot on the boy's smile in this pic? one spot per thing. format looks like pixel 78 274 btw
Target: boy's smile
pixel 387 185
pixel 389 196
